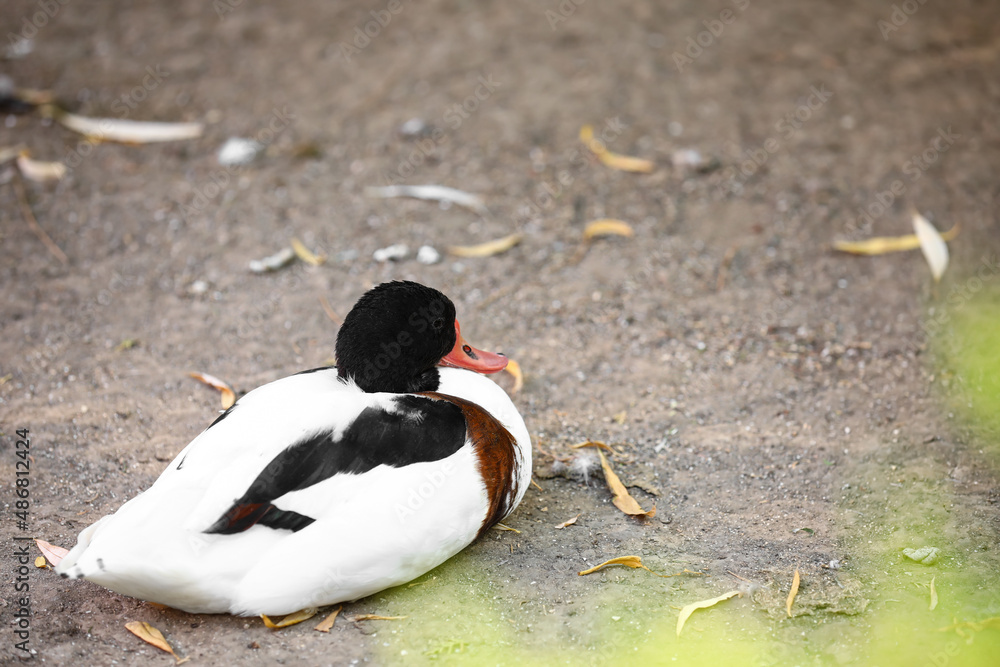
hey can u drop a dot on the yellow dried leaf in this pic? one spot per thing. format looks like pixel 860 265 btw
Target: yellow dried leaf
pixel 305 254
pixel 628 561
pixel 568 522
pixel 290 619
pixel 376 617
pixel 40 562
pixel 124 131
pixel 151 635
pixel 327 623
pixel 622 500
pixel 592 443
pixel 39 171
pixel 607 227
pixel 613 160
pixel 792 593
pixel 53 553
pixel 228 396
pixel 514 369
pixel 932 244
pixel 934 597
pixel 501 526
pixel 487 249
pixel 694 606
pixel 881 245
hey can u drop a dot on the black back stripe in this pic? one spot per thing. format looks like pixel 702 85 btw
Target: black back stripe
pixel 417 430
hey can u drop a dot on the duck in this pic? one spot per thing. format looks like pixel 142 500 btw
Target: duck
pixel 331 484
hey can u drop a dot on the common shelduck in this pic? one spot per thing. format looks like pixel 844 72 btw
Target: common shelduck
pixel 331 484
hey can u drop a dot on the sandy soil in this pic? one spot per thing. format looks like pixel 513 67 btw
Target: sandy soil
pixel 753 381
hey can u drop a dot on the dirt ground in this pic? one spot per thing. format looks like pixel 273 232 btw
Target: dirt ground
pixel 753 382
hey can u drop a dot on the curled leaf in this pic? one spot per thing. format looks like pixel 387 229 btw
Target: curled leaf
pixel 514 369
pixel 622 500
pixel 628 561
pixel 53 553
pixel 568 522
pixel 933 246
pixel 38 170
pixel 273 262
pixel 487 249
pixel 607 227
pixel 228 396
pixel 125 131
pixel 503 526
pixel 703 604
pixel 327 623
pixel 431 192
pixel 792 593
pixel 290 619
pixel 593 443
pixel 40 562
pixel 881 245
pixel 613 160
pixel 934 597
pixel 305 254
pixel 154 637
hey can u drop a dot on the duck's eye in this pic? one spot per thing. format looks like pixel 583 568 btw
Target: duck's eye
pixel 438 324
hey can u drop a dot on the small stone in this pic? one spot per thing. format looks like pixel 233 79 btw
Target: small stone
pixel 413 128
pixel 391 253
pixel 238 151
pixel 198 287
pixel 428 255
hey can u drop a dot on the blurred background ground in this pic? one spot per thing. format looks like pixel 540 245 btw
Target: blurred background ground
pixel 753 382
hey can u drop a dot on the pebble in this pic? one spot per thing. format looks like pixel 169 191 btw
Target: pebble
pixel 237 151
pixel 428 255
pixel 391 253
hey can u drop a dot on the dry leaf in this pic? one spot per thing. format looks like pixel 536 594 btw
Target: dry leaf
pixel 305 254
pixel 694 606
pixel 431 192
pixel 376 617
pixel 39 171
pixel 607 227
pixel 273 262
pixel 792 593
pixel 487 249
pixel 125 131
pixel 501 526
pixel 514 369
pixel 327 623
pixel 40 562
pixel 570 522
pixel 151 635
pixel 881 245
pixel 613 160
pixel 290 619
pixel 622 500
pixel 228 396
pixel 53 553
pixel 934 597
pixel 628 561
pixel 934 248
pixel 593 443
